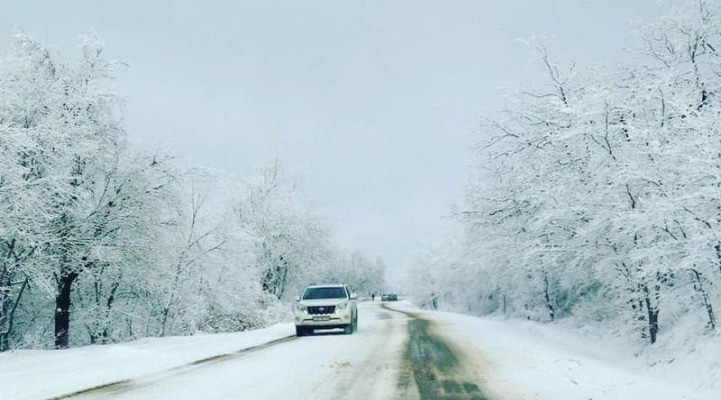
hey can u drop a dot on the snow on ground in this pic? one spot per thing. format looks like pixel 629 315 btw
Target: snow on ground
pixel 537 361
pixel 684 355
pixel 516 360
pixel 329 365
pixel 38 374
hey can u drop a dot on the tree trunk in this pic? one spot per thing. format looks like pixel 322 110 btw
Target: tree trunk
pixel 174 289
pixel 283 278
pixel 106 323
pixel 698 285
pixel 547 296
pixel 5 335
pixel 652 311
pixel 163 324
pixel 652 320
pixel 62 310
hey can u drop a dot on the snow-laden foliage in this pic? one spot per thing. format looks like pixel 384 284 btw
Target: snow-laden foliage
pixel 599 197
pixel 112 244
pixel 293 246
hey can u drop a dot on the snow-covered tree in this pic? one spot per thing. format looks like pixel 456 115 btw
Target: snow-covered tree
pixel 598 195
pixel 291 241
pixel 113 243
pixel 62 128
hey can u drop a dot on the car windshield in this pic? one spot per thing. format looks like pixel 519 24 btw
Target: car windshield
pixel 324 293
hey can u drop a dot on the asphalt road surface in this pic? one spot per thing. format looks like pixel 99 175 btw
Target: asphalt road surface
pixel 394 355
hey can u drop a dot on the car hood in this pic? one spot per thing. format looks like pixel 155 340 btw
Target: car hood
pixel 323 302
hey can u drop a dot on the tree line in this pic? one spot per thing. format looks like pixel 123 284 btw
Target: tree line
pixel 112 243
pixel 598 196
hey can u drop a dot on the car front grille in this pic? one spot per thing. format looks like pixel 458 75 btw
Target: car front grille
pixel 314 310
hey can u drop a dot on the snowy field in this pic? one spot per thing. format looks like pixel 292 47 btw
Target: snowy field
pixel 513 360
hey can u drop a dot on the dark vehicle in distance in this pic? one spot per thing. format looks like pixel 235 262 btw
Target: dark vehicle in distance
pixel 389 297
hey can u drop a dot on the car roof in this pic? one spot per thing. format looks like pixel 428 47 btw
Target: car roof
pixel 326 286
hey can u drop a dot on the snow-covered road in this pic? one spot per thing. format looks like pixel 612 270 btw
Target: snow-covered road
pixel 327 365
pixel 398 353
pixel 394 355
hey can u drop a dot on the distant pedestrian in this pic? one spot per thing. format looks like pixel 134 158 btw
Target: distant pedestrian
pixel 373 296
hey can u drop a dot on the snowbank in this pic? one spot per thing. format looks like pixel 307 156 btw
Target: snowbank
pixel 540 361
pixel 37 374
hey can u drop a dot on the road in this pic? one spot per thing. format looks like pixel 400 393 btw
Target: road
pixel 393 355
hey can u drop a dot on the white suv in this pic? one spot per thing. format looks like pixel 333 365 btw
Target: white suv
pixel 325 307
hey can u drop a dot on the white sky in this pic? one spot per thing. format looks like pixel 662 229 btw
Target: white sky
pixel 372 105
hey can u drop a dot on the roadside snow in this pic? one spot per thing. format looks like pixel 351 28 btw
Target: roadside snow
pixel 512 360
pixel 38 374
pixel 528 360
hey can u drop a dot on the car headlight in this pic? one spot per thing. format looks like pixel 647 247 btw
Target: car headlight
pixel 341 306
pixel 300 307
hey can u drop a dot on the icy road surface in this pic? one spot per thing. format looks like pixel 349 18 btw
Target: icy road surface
pixel 377 362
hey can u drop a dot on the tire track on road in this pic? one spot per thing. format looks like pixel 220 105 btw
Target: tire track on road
pixel 433 366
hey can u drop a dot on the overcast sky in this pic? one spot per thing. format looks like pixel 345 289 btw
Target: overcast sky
pixel 372 105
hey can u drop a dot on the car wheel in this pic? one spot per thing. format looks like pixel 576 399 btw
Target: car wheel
pixel 300 331
pixel 355 324
pixel 348 329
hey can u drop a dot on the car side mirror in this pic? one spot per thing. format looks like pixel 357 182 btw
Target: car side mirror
pixel 353 296
pixel 297 298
